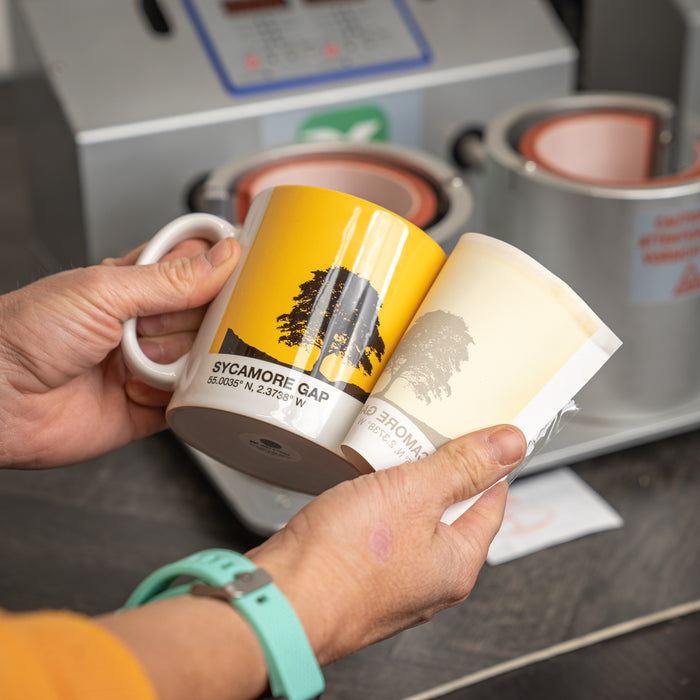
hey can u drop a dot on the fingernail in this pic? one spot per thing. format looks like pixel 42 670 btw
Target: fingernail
pixel 218 254
pixel 150 325
pixel 151 350
pixel 506 445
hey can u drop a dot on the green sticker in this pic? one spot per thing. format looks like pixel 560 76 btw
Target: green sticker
pixel 355 125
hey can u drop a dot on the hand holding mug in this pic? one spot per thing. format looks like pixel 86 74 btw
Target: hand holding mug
pixel 65 394
pixel 295 341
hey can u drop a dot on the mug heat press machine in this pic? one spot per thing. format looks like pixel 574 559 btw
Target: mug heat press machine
pixel 126 107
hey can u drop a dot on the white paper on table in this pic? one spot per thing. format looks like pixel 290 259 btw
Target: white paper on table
pixel 548 509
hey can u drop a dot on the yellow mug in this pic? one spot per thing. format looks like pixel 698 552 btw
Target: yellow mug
pixel 293 344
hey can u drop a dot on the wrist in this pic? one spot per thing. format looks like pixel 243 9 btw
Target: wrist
pixel 230 579
pixel 192 647
pixel 324 613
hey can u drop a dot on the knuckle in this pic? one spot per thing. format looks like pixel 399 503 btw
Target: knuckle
pixel 398 486
pixel 179 274
pixel 456 592
pixel 94 286
pixel 393 484
pixel 463 455
pixel 93 276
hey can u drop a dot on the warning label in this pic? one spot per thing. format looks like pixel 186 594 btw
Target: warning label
pixel 666 256
pixel 689 281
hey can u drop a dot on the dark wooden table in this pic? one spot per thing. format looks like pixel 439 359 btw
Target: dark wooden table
pixel 611 615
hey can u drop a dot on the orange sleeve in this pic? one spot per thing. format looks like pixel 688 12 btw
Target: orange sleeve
pixel 64 656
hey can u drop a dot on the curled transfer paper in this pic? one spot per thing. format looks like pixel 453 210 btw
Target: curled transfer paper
pixel 497 339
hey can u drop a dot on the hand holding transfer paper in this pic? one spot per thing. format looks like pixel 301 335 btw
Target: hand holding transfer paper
pixel 497 339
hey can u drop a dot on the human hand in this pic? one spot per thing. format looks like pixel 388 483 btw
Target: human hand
pixel 364 560
pixel 370 557
pixel 65 393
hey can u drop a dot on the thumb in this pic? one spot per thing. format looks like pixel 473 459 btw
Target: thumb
pixel 174 285
pixel 82 310
pixel 469 464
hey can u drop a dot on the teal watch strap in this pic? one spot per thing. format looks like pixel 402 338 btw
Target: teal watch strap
pixel 220 573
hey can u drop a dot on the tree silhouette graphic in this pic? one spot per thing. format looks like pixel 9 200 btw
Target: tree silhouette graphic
pixel 337 312
pixel 429 353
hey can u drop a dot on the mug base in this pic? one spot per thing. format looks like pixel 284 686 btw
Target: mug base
pixel 261 450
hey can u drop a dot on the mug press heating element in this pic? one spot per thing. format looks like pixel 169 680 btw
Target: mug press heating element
pixel 596 188
pixel 417 186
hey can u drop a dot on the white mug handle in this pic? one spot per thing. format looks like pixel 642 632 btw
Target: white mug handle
pixel 198 225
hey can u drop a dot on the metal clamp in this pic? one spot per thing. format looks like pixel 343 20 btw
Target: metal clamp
pixel 242 584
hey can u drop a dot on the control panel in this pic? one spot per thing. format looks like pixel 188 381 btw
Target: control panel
pixel 266 45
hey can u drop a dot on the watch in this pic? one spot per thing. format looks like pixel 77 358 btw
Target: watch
pixel 221 573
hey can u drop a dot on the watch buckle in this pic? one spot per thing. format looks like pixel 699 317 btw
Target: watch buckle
pixel 242 584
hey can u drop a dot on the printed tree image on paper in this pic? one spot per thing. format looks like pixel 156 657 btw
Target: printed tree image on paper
pixel 430 352
pixel 336 311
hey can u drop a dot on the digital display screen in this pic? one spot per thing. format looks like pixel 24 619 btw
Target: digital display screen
pixel 235 6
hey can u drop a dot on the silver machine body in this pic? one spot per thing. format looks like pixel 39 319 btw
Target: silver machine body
pixel 122 115
pixel 656 54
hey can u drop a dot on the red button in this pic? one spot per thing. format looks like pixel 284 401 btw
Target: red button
pixel 331 49
pixel 252 61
